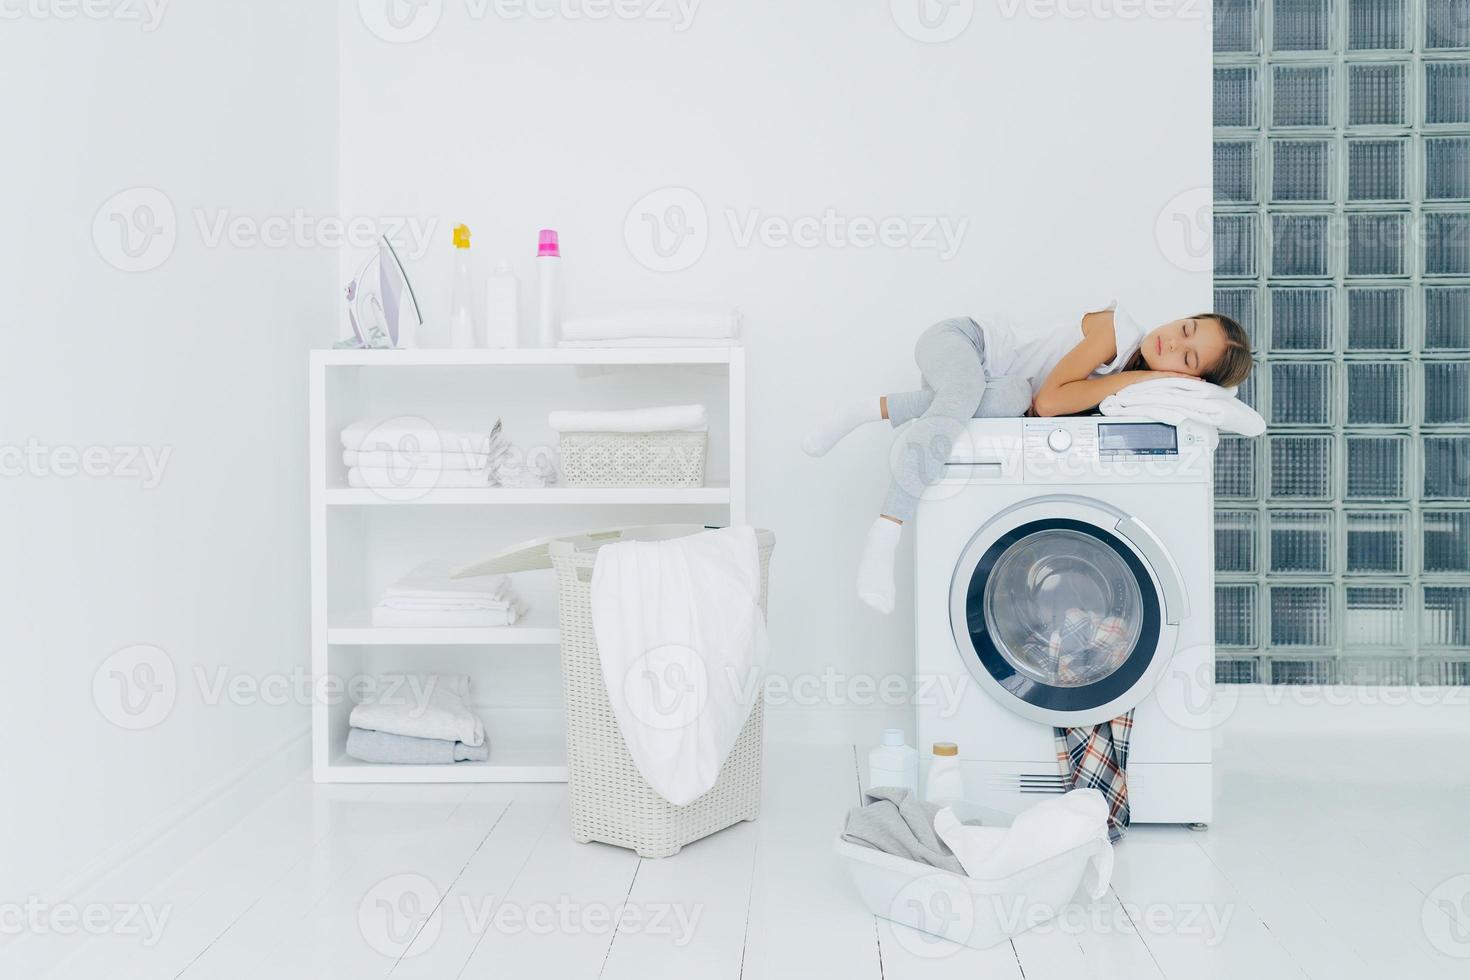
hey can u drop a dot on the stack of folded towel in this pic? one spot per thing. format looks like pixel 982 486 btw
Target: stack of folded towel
pixel 667 418
pixel 413 453
pixel 427 596
pixel 653 328
pixel 417 720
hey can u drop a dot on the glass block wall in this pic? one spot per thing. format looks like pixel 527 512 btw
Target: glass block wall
pixel 1342 243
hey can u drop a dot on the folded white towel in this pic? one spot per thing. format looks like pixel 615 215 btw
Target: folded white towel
pixel 387 616
pixel 688 324
pixel 652 342
pixel 683 645
pixel 667 418
pixel 404 462
pixel 424 706
pixel 1042 831
pixel 367 478
pixel 1176 400
pixel 432 580
pixel 446 605
pixel 413 435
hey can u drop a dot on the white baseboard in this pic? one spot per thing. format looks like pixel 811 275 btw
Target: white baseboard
pixel 203 817
pixel 1341 709
pixel 1240 708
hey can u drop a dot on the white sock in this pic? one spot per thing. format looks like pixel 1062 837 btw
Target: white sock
pixel 875 568
pixel 838 422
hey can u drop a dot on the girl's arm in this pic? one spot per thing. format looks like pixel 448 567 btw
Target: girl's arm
pixel 1068 389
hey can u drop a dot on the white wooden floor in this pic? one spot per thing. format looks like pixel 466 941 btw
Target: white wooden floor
pixel 1328 858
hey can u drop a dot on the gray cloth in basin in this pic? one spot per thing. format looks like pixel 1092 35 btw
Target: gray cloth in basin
pixel 897 822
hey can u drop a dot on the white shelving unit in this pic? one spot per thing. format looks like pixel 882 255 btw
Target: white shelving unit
pixel 361 539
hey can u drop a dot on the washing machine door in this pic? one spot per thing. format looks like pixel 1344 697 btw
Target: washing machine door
pixel 1066 610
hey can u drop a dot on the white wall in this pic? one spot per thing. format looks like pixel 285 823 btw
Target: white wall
pixel 1060 140
pixel 1057 140
pixel 224 107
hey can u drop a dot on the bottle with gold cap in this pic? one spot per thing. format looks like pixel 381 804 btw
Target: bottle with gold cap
pixel 462 303
pixel 944 784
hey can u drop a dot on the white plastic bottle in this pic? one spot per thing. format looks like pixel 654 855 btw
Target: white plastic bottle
pixel 893 763
pixel 944 784
pixel 462 304
pixel 502 308
pixel 548 264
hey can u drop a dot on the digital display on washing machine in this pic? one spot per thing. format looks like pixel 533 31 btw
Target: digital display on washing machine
pixel 1138 438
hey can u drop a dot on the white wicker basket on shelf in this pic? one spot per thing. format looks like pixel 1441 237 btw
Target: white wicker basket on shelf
pixel 610 800
pixel 633 459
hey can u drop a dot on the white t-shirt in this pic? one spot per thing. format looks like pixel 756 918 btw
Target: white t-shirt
pixel 1030 349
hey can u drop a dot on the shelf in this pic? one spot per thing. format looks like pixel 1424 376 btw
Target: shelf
pixel 551 356
pixel 521 759
pixel 538 628
pixel 356 497
pixel 536 589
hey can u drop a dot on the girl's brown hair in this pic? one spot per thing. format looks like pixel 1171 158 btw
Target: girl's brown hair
pixel 1233 366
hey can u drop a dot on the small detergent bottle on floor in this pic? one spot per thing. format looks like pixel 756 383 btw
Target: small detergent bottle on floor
pixel 893 763
pixel 944 784
pixel 461 307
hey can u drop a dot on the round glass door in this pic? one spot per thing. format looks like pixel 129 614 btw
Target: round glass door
pixel 1063 608
pixel 1061 614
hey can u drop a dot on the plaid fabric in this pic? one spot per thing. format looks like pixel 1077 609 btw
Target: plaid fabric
pixel 1096 757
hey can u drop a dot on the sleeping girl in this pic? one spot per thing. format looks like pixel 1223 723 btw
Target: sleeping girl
pixel 991 368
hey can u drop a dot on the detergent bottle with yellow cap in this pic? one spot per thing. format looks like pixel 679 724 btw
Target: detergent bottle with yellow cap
pixel 462 304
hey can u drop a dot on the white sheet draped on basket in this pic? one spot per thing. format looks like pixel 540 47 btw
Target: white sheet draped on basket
pixel 683 648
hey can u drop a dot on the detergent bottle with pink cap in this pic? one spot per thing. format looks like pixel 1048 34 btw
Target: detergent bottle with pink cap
pixel 548 263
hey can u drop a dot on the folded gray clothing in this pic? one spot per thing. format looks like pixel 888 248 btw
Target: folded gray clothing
pixel 897 822
pixel 385 747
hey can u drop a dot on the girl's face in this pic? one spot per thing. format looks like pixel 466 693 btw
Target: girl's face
pixel 1189 346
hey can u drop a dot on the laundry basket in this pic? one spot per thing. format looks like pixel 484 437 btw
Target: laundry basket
pixel 610 800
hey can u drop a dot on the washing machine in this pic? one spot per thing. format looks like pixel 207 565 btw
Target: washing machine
pixel 1064 574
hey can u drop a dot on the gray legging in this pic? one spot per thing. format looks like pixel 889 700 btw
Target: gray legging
pixel 951 358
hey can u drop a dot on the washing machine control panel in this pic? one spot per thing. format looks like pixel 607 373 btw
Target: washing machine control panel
pixel 1065 449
